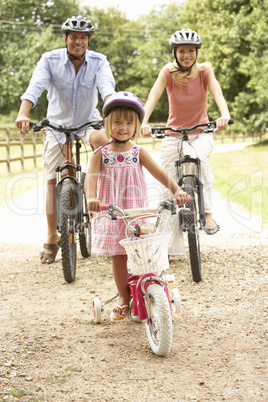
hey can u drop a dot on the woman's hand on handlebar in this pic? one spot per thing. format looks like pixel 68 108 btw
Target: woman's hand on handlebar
pixel 94 205
pixel 181 197
pixel 222 122
pixel 146 130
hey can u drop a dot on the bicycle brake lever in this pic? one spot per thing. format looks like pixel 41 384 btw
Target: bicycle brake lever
pixel 35 127
pixel 97 125
pixel 158 134
pixel 111 213
pixel 169 205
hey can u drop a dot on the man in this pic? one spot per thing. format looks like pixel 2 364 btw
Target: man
pixel 72 77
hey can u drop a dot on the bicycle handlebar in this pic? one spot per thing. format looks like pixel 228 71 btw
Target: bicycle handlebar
pixel 97 124
pixel 211 127
pixel 140 211
pixel 170 205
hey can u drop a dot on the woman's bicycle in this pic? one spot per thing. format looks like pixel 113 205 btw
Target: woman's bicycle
pixel 188 172
pixel 147 251
pixel 73 217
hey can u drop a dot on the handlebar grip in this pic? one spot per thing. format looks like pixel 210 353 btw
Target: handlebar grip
pixel 230 122
pixel 105 207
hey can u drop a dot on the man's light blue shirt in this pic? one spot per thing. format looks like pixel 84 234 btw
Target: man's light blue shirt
pixel 72 98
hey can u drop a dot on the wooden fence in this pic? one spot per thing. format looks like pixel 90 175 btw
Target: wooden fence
pixel 11 137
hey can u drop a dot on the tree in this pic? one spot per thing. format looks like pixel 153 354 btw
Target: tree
pixel 27 32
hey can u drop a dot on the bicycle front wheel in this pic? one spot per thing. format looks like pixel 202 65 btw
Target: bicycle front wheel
pixel 67 229
pixel 159 326
pixel 192 227
pixel 85 234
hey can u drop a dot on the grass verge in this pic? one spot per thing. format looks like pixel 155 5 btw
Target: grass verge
pixel 242 177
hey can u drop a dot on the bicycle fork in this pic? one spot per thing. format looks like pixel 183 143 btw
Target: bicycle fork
pixel 74 175
pixel 190 167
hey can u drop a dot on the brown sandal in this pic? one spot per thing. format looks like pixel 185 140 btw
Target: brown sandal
pixel 50 257
pixel 214 230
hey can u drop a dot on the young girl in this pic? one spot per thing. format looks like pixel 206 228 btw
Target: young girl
pixel 115 176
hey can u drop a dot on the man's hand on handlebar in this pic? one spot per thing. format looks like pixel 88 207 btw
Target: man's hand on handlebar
pixel 146 130
pixel 23 123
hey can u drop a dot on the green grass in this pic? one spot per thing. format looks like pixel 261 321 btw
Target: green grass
pixel 242 177
pixel 16 393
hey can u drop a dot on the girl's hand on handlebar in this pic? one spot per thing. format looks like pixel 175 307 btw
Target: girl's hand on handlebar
pixel 94 205
pixel 146 130
pixel 182 197
pixel 222 122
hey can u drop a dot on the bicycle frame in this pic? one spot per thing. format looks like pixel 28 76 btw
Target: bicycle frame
pixel 189 179
pixel 72 215
pixel 149 295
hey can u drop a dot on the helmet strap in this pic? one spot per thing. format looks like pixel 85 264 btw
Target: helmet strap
pixel 179 66
pixel 72 57
pixel 114 140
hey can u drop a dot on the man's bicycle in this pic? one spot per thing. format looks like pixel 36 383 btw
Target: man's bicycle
pixel 147 251
pixel 188 172
pixel 73 217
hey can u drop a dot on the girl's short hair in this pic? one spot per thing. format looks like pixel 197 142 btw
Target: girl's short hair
pixel 128 113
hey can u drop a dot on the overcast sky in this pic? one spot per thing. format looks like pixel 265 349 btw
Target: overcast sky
pixel 132 8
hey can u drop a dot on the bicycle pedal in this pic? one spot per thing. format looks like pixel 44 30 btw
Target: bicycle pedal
pixel 115 318
pixel 169 278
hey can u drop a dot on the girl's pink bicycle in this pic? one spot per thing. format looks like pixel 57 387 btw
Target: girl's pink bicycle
pixel 151 301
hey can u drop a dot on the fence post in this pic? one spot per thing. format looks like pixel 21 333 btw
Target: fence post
pixel 8 148
pixel 22 151
pixel 34 149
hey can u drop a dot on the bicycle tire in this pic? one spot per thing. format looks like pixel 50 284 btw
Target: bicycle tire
pixel 159 326
pixel 67 229
pixel 85 235
pixel 192 228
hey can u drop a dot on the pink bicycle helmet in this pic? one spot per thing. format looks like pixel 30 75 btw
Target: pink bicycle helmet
pixel 78 24
pixel 185 37
pixel 123 98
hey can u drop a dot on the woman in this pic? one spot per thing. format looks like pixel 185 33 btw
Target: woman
pixel 187 83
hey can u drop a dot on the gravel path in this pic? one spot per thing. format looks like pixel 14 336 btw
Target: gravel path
pixel 50 349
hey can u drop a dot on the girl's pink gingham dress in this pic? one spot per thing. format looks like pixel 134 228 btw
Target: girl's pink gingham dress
pixel 121 182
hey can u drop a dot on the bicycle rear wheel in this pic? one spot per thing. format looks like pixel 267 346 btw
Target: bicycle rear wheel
pixel 85 235
pixel 67 229
pixel 159 326
pixel 192 227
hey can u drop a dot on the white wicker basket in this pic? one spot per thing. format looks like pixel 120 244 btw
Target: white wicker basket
pixel 148 253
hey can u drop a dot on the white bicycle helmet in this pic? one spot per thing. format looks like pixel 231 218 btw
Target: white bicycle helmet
pixel 78 24
pixel 123 98
pixel 185 37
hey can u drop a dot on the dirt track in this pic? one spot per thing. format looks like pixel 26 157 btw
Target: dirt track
pixel 52 351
